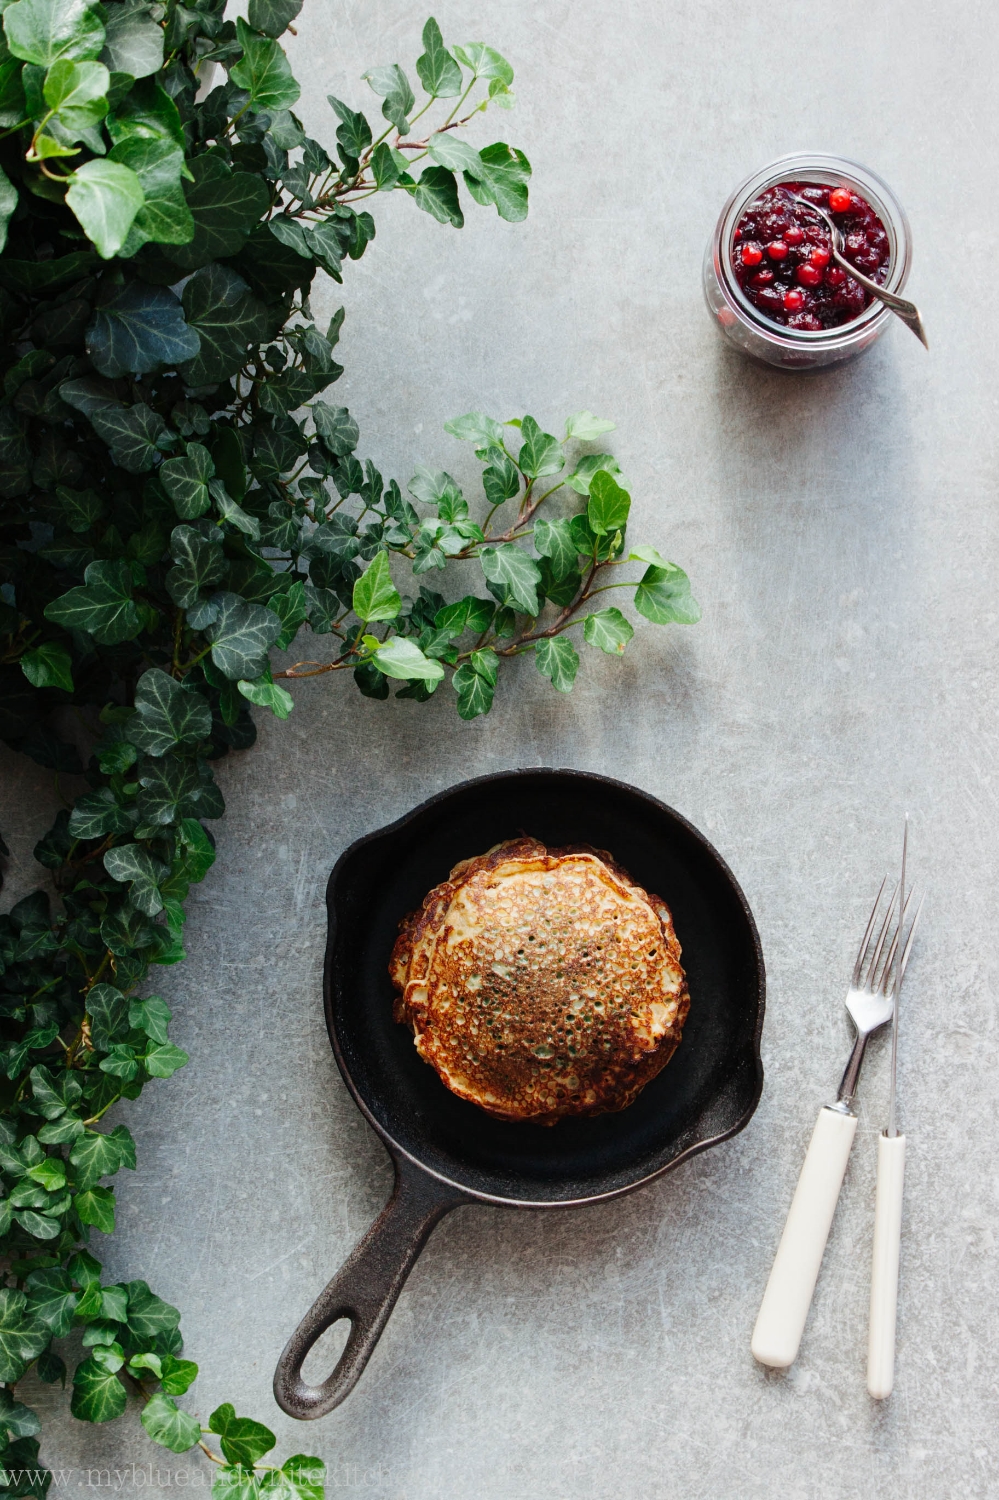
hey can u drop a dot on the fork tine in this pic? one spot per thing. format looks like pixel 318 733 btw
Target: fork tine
pixel 862 953
pixel 883 984
pixel 908 942
pixel 873 966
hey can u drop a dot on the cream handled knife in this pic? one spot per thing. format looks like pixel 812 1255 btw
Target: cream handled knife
pixel 888 1203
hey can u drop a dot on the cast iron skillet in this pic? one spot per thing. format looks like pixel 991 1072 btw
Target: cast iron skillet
pixel 446 1151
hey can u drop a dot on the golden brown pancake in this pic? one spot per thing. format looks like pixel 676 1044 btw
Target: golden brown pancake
pixel 541 982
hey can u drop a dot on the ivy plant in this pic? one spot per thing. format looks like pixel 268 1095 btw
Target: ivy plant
pixel 179 503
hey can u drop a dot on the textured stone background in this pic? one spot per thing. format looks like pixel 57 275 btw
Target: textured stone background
pixel 841 537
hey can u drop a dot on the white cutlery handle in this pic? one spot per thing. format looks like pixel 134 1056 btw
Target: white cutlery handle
pixel 884 1271
pixel 788 1296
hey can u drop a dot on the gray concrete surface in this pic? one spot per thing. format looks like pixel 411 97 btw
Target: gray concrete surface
pixel 841 536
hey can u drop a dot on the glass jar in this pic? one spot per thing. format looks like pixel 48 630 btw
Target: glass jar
pixel 792 348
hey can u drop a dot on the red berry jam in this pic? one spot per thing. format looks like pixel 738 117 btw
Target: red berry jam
pixel 783 260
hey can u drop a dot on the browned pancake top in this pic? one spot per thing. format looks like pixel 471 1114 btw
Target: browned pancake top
pixel 541 983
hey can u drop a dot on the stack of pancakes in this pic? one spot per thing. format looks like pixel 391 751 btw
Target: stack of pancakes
pixel 541 983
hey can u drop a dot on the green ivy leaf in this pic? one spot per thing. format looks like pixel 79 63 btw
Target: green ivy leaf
pixel 224 208
pixel 272 17
pixel 8 203
pixel 240 636
pixel 167 1425
pixel 96 1155
pixel 457 155
pixel 96 1207
pixel 500 477
pixel 500 177
pixel 164 217
pixel 199 856
pixel 102 605
pixel 163 1059
pixel 130 864
pixel 609 630
pixel 96 814
pixel 375 596
pixel 105 197
pixel 541 453
pixel 98 1394
pixel 609 505
pixel 200 563
pixel 43 31
pixel 402 658
pixel 515 575
pixel 147 112
pixel 178 1374
pixel 171 788
pixel 476 427
pixel 595 463
pixel 235 1483
pixel 16 1335
pixel 151 1015
pixel 242 1440
pixel 554 540
pixel 475 687
pixel 663 596
pixel 485 62
pixel 336 427
pixel 134 43
pixel 268 695
pixel 437 194
pixel 299 1478
pixel 77 93
pixel 469 613
pixel 167 714
pixel 263 71
pixel 80 508
pixel 354 132
pixel 558 660
pixel 19 1420
pixel 220 306
pixel 394 87
pixel 48 665
pixel 108 1010
pixel 52 1300
pixel 133 434
pixel 137 328
pixel 584 427
pixel 149 1315
pixel 186 482
pixel 436 68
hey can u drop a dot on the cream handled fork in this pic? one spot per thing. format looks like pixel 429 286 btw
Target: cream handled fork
pixel 788 1297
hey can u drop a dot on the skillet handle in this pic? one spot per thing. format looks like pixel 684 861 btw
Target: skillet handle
pixel 364 1290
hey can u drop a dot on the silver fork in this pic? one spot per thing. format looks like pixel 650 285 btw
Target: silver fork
pixel 870 1002
pixel 870 998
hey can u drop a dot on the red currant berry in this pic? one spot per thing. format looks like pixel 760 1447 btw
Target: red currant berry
pixel 835 276
pixel 794 300
pixel 794 235
pixel 777 250
pixel 810 275
pixel 762 278
pixel 820 256
pixel 839 200
pixel 752 254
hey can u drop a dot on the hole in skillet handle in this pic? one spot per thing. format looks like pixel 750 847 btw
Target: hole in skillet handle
pixel 364 1291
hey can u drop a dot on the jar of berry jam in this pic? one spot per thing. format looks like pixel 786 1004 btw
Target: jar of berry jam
pixel 769 278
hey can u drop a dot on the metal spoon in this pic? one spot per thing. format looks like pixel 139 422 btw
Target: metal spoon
pixel 907 311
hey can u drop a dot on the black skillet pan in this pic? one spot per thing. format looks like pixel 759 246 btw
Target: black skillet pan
pixel 447 1151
